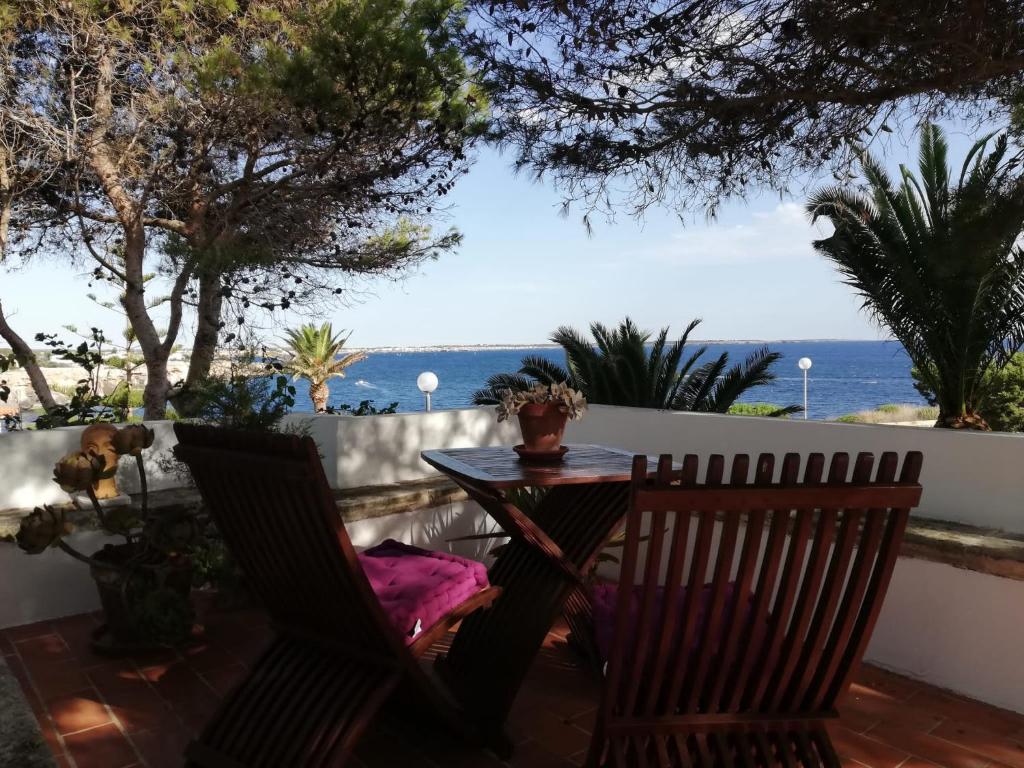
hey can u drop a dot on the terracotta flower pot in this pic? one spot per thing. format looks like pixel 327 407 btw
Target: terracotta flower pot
pixel 542 425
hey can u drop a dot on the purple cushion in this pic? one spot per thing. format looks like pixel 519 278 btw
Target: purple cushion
pixel 417 587
pixel 605 599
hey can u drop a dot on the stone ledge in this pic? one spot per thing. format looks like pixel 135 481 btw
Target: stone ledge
pixel 985 550
pixel 988 551
pixel 354 504
pixel 379 500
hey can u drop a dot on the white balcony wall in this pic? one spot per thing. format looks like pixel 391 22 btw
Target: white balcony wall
pixel 947 626
pixel 973 478
pixel 968 477
pixel 27 459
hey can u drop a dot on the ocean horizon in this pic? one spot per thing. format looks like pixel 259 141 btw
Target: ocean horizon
pixel 847 375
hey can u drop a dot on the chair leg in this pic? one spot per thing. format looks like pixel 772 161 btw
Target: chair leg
pixel 301 705
pixel 596 750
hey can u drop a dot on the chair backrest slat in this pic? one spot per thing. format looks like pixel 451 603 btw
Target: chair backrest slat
pixel 750 598
pixel 270 500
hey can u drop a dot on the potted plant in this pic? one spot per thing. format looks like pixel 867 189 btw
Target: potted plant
pixel 144 582
pixel 543 411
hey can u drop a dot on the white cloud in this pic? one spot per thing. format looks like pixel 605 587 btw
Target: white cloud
pixel 781 234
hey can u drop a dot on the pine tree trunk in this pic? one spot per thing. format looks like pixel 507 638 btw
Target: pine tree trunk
pixel 208 313
pixel 6 198
pixel 27 360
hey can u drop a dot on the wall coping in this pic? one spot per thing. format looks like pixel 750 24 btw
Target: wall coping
pixel 984 550
pixel 354 504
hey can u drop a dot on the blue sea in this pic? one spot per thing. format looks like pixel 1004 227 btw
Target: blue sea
pixel 846 376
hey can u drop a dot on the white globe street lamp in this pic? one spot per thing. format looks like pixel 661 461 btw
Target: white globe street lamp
pixel 804 364
pixel 427 383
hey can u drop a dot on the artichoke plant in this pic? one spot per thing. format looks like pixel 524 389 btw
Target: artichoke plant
pixel 78 471
pixel 41 529
pixel 133 439
pixel 135 574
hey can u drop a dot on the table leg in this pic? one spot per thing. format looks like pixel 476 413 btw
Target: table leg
pixel 493 649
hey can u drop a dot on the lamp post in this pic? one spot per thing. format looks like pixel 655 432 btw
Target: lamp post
pixel 427 382
pixel 804 364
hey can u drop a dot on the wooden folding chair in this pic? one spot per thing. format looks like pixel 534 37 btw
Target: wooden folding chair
pixel 348 627
pixel 743 608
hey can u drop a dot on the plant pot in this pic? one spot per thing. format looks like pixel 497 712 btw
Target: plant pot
pixel 542 425
pixel 146 608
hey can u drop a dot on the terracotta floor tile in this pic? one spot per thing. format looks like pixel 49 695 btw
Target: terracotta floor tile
pixel 928 747
pixel 883 681
pixel 176 681
pixel 991 744
pixel 953 707
pixel 161 699
pixel 224 679
pixel 248 649
pixel 532 754
pixel 27 687
pixel 155 657
pixel 379 750
pixel 206 656
pixel 78 711
pixel 26 631
pixel 163 747
pixel 102 747
pixel 58 678
pixel 196 711
pixel 43 650
pixel 49 733
pixel 567 704
pixel 865 750
pixel 79 642
pixel 134 702
pixel 82 623
pixel 868 707
pixel 553 732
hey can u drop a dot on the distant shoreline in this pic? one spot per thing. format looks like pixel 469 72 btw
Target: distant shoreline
pixel 549 345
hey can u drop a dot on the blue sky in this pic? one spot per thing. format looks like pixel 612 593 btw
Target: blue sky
pixel 524 269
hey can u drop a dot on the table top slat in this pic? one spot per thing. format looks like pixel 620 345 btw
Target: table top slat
pixel 501 467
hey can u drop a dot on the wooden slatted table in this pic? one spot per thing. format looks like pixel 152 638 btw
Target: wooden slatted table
pixel 541 570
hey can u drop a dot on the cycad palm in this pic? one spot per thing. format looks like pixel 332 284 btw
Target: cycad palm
pixel 938 264
pixel 316 357
pixel 617 368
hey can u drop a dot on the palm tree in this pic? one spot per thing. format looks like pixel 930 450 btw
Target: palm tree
pixel 938 264
pixel 316 357
pixel 617 368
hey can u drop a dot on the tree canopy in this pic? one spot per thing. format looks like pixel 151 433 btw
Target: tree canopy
pixel 622 366
pixel 637 102
pixel 938 261
pixel 244 152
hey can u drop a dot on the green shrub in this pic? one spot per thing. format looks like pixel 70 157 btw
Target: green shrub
pixel 1002 404
pixel 891 413
pixel 757 409
pixel 365 408
pixel 121 398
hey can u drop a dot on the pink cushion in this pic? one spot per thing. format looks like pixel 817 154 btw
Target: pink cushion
pixel 417 587
pixel 605 599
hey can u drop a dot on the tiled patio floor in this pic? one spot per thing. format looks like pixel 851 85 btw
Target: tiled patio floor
pixel 98 713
